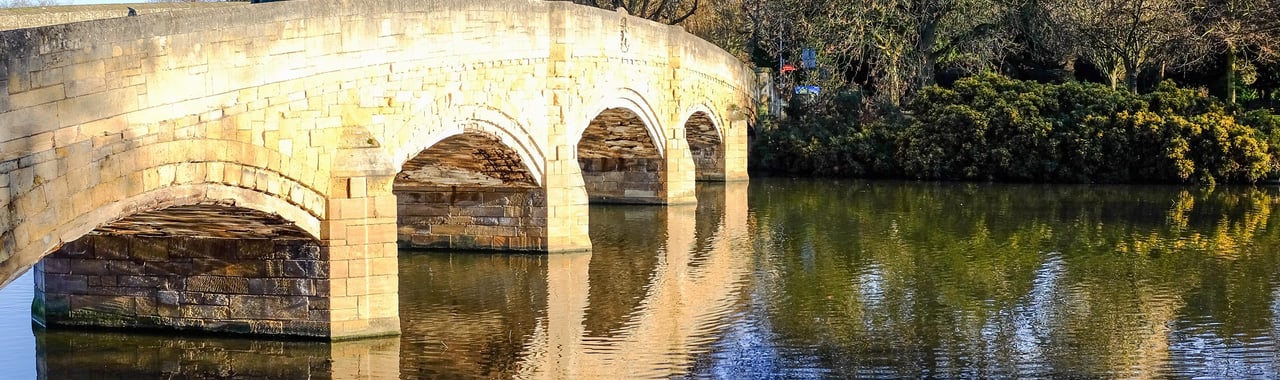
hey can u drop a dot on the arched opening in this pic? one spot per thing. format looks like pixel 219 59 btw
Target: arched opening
pixel 706 147
pixel 620 162
pixel 470 191
pixel 204 267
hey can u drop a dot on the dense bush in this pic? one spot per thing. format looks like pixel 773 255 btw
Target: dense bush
pixel 829 138
pixel 994 128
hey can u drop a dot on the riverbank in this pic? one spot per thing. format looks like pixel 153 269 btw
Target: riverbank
pixel 994 128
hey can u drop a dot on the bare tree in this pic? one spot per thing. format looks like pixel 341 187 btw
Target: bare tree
pixel 28 3
pixel 664 11
pixel 896 46
pixel 723 23
pixel 1122 38
pixel 1244 31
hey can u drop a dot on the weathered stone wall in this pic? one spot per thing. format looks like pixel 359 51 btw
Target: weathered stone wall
pixel 274 286
pixel 710 163
pixel 624 180
pixel 484 218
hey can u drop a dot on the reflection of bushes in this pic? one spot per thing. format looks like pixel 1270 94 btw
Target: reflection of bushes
pixel 951 259
pixel 991 127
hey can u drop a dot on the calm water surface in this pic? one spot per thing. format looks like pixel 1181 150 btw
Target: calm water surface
pixel 798 279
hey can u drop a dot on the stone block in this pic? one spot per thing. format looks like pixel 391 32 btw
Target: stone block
pixel 384 266
pixel 303 252
pixel 168 297
pixel 144 306
pixel 281 286
pixel 90 267
pixel 186 246
pixel 148 249
pixel 456 228
pixel 318 303
pixel 258 249
pixel 488 211
pixel 210 312
pixel 429 241
pixel 344 302
pixel 305 269
pixel 56 303
pixel 170 268
pixel 126 267
pixel 412 210
pixel 56 265
pixel 357 285
pixel 140 281
pixel 36 96
pixel 269 307
pixel 199 298
pixel 249 269
pixel 217 284
pixel 102 281
pixel 115 305
pixel 66 284
pixel 109 247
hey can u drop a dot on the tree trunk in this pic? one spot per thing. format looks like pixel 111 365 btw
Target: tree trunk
pixel 1231 74
pixel 928 38
pixel 1131 77
pixel 1069 67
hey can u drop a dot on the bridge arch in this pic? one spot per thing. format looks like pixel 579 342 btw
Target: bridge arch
pixel 158 199
pixel 706 140
pixel 471 189
pixel 58 201
pixel 629 100
pixel 474 119
pixel 622 150
pixel 206 257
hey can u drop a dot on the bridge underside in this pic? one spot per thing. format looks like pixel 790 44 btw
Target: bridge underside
pixel 620 162
pixel 208 268
pixel 706 146
pixel 470 192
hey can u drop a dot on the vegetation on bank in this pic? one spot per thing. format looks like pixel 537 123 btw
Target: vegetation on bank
pixel 990 127
pixel 903 94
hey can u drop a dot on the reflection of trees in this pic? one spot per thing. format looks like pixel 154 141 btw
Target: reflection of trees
pixel 915 278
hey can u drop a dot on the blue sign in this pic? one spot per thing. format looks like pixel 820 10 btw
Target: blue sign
pixel 808 59
pixel 814 90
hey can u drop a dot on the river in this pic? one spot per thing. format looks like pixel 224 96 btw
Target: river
pixel 790 278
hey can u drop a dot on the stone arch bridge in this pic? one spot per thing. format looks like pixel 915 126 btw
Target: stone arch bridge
pixel 354 128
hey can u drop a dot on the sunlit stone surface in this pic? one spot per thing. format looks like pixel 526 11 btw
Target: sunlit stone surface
pixel 334 115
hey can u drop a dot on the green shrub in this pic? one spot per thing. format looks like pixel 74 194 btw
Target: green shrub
pixel 989 127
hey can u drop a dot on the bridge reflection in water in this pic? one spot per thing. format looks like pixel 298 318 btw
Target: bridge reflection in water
pixel 654 292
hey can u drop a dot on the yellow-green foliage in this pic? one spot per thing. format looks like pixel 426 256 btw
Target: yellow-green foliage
pixel 990 127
